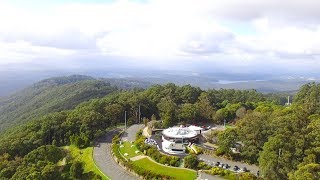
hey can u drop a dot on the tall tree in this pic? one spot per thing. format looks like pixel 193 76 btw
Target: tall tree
pixel 167 108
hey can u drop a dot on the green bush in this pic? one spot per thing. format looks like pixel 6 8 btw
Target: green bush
pixel 116 139
pixel 142 172
pixel 154 153
pixel 198 149
pixel 204 166
pixel 139 134
pixel 191 162
pixel 217 171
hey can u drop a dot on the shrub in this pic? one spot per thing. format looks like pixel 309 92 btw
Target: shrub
pixel 203 165
pixel 198 149
pixel 163 160
pixel 191 162
pixel 142 172
pixel 139 134
pixel 217 171
pixel 116 139
pixel 246 176
pixel 76 170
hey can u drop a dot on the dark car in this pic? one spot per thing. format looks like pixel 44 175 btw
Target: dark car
pixel 217 163
pixel 236 168
pixel 227 166
pixel 245 169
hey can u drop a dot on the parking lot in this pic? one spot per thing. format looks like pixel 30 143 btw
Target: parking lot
pixel 212 160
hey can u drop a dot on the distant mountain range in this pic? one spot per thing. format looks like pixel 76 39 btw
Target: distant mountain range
pixel 63 93
pixel 14 81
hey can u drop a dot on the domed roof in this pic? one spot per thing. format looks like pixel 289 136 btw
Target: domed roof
pixel 179 132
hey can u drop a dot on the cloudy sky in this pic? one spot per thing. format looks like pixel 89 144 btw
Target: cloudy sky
pixel 197 35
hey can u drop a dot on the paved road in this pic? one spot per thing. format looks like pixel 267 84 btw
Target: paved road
pixel 103 158
pixel 205 176
pixel 131 132
pixel 213 159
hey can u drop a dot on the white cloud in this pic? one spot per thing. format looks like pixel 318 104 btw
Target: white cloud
pixel 166 30
pixel 22 52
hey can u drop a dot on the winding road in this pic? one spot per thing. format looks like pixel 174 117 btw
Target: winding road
pixel 104 160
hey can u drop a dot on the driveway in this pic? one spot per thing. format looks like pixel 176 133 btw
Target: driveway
pixel 104 160
pixel 205 176
pixel 213 159
pixel 130 134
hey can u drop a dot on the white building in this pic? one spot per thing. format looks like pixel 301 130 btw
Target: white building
pixel 175 139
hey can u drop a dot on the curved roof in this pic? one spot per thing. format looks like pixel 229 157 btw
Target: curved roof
pixel 179 132
pixel 195 128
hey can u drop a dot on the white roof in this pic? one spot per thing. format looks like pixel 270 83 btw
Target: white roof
pixel 179 132
pixel 195 128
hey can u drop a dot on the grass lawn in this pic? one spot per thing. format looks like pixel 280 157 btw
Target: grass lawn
pixel 85 156
pixel 131 151
pixel 176 173
pixel 230 126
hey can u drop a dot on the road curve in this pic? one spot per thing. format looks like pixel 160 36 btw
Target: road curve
pixel 104 160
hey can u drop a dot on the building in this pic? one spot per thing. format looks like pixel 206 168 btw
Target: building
pixel 175 139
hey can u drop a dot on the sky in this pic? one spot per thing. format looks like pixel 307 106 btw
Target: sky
pixel 265 36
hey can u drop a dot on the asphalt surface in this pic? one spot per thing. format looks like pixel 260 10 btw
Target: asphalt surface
pixel 205 176
pixel 130 134
pixel 213 159
pixel 104 160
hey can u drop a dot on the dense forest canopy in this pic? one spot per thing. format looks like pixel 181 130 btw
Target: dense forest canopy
pixel 50 95
pixel 281 140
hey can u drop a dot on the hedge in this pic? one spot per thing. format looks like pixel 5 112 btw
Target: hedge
pixel 128 164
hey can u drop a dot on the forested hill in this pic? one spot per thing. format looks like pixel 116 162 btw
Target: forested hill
pixel 50 95
pixel 282 140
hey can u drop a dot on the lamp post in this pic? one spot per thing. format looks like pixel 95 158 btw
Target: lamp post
pixel 125 120
pixel 139 114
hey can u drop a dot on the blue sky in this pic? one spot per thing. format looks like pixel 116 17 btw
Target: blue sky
pixel 230 35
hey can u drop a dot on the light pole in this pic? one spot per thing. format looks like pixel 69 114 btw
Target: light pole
pixel 125 120
pixel 139 114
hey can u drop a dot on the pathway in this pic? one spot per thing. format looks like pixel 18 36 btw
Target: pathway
pixel 130 134
pixel 104 160
pixel 205 176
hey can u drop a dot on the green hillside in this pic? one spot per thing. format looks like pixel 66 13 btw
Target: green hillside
pixel 50 95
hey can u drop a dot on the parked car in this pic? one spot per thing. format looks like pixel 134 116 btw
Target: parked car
pixel 217 163
pixel 236 168
pixel 245 169
pixel 227 166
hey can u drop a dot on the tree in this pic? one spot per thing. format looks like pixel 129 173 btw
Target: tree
pixel 167 110
pixel 306 172
pixel 241 112
pixel 76 170
pixel 313 134
pixel 220 116
pixel 80 140
pixel 280 155
pixel 48 153
pixel 253 130
pixel 226 141
pixel 50 171
pixel 188 113
pixel 191 162
pixel 114 113
pixel 204 106
pixel 189 94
